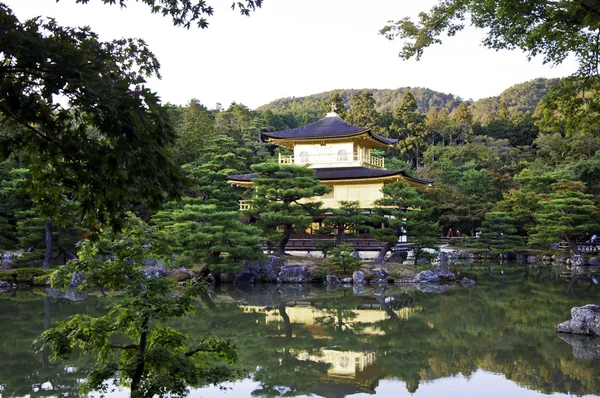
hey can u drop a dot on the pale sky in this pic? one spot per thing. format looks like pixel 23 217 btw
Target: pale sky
pixel 294 48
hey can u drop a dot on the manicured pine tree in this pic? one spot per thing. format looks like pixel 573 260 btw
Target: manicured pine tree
pixel 403 210
pixel 346 221
pixel 284 200
pixel 567 214
pixel 499 233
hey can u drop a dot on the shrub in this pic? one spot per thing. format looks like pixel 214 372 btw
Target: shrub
pixel 22 275
pixel 342 257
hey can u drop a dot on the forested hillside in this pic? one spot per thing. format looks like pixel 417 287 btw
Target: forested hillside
pixel 521 97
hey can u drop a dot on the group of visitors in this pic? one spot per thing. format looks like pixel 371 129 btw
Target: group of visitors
pixel 456 234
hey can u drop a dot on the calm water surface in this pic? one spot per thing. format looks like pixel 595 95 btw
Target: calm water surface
pixel 495 339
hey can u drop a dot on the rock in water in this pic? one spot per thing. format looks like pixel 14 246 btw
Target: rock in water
pixel 333 280
pixel 426 277
pixel 264 270
pixel 358 277
pixel 294 274
pixel 585 320
pixel 443 274
pixel 381 274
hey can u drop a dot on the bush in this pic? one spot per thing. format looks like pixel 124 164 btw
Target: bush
pixel 22 275
pixel 342 257
pixel 40 280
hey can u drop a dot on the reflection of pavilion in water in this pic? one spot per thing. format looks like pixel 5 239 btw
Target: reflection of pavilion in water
pixel 355 367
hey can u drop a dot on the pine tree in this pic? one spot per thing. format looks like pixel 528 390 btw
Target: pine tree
pixel 404 211
pixel 284 200
pixel 346 220
pixel 567 214
pixel 499 233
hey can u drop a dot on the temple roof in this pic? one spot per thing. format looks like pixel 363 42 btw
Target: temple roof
pixel 328 127
pixel 344 173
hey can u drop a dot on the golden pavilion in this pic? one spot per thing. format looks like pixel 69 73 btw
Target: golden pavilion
pixel 340 153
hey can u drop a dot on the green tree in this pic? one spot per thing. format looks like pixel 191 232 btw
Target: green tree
pixel 195 126
pixel 85 115
pixel 342 257
pixel 362 110
pixel 567 214
pixel 499 233
pixel 410 128
pixel 284 197
pixel 205 234
pixel 149 356
pixel 401 211
pixel 346 220
pixel 553 30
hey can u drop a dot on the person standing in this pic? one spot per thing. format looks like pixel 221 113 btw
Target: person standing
pixel 449 233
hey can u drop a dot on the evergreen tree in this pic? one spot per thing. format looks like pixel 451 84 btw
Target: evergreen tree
pixel 362 110
pixel 401 211
pixel 346 220
pixel 410 128
pixel 342 257
pixel 567 214
pixel 499 233
pixel 284 200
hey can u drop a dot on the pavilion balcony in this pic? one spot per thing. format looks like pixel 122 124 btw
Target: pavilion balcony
pixel 334 160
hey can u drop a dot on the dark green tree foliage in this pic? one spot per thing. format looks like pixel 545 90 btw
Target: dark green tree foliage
pixel 410 128
pixel 195 125
pixel 342 257
pixel 401 211
pixel 149 357
pixel 245 127
pixel 568 214
pixel 362 110
pixel 345 221
pixel 499 233
pixel 521 206
pixel 206 234
pixel 111 125
pixel 285 198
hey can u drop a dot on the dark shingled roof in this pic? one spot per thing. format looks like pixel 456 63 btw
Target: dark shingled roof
pixel 344 173
pixel 330 126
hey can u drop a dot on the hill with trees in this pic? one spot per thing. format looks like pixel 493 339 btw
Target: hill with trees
pixel 523 97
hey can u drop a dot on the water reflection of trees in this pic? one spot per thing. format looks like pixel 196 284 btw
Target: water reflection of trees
pixel 505 324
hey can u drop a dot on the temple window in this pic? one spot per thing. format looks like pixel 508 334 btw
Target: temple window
pixel 303 157
pixel 342 156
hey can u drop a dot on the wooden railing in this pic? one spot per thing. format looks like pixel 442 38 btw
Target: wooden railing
pixel 245 205
pixel 334 159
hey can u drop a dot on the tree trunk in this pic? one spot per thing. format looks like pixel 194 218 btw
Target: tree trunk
pixel 382 253
pixel 339 236
pixel 572 244
pixel 287 232
pixel 49 244
pixel 139 370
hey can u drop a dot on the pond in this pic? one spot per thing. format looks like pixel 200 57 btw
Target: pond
pixel 494 339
